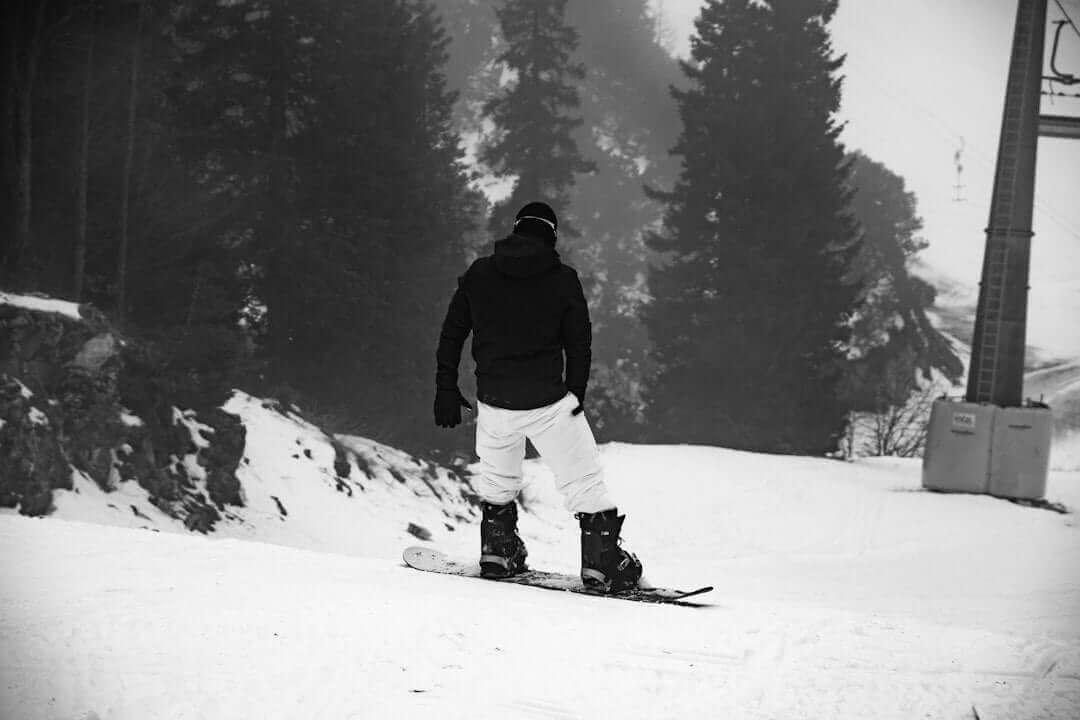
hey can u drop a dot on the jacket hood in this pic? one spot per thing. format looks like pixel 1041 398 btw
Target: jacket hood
pixel 524 256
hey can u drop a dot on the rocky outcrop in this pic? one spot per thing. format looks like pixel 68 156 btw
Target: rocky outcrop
pixel 75 398
pixel 32 462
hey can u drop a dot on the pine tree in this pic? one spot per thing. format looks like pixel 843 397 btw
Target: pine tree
pixel 893 340
pixel 430 212
pixel 329 128
pixel 534 117
pixel 752 301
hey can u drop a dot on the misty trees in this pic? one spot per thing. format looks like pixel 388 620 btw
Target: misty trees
pixel 79 261
pixel 129 161
pixel 337 120
pixel 892 320
pixel 471 27
pixel 295 194
pixel 534 117
pixel 894 350
pixel 25 23
pixel 630 123
pixel 287 176
pixel 753 296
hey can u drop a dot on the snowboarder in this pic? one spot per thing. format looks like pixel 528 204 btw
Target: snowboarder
pixel 526 308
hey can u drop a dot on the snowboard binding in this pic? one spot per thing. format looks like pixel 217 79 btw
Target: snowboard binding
pixel 605 566
pixel 502 551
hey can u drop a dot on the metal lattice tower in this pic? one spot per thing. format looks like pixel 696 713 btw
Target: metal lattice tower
pixel 997 352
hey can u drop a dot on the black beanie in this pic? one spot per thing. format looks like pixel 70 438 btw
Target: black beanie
pixel 538 220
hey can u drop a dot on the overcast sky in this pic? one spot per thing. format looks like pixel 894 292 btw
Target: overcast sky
pixel 927 77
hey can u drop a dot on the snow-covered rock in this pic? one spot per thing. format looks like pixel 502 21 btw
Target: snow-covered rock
pixel 296 486
pixel 250 468
pixel 64 377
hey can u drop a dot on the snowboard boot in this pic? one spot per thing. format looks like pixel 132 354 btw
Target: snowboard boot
pixel 502 552
pixel 605 566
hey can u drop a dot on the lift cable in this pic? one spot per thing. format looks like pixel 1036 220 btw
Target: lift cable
pixel 1067 18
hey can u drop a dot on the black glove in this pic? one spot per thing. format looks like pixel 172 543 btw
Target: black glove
pixel 448 404
pixel 580 402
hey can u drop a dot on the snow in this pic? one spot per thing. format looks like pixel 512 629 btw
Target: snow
pixel 130 420
pixel 842 591
pixel 296 500
pixel 40 304
pixel 1065 452
pixel 193 468
pixel 23 390
pixel 37 417
pixel 194 427
pixel 128 505
pixel 289 463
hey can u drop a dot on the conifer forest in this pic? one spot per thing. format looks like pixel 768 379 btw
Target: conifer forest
pixel 278 196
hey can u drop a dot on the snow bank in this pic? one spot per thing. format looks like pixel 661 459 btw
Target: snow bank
pixel 345 495
pixel 300 488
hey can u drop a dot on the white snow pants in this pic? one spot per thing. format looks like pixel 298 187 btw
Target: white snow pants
pixel 565 442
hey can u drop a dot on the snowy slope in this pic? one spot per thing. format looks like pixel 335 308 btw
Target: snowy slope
pixel 1059 386
pixel 842 592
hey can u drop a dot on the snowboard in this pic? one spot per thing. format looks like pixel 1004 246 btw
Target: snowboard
pixel 431 560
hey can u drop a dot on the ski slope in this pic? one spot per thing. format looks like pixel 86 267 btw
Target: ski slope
pixel 843 591
pixel 1059 386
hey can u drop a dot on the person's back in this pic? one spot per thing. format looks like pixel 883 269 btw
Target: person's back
pixel 526 309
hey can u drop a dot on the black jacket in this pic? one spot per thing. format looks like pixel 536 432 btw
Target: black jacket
pixel 524 308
